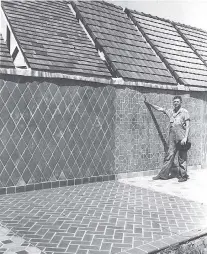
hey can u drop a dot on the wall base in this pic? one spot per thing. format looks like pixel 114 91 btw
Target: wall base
pixel 56 184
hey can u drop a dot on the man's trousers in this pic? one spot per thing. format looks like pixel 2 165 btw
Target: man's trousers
pixel 169 163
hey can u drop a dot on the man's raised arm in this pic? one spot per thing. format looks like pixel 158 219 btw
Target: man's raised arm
pixel 155 106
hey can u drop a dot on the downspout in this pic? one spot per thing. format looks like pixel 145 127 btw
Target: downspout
pixel 179 80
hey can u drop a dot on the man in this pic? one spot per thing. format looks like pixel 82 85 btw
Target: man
pixel 178 139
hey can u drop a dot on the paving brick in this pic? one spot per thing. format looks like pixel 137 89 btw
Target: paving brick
pixel 115 250
pixel 54 223
pixel 88 247
pixel 72 248
pixel 106 246
pixel 98 252
pixel 82 252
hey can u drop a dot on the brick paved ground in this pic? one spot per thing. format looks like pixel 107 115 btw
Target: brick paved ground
pixel 99 218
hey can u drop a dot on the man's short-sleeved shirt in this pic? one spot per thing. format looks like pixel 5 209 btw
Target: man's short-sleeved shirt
pixel 178 118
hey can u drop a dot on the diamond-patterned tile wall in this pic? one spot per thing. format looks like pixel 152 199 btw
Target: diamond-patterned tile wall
pixel 140 137
pixel 55 130
pixel 50 132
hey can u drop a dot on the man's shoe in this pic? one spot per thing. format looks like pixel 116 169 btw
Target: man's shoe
pixel 156 178
pixel 182 180
pixel 173 176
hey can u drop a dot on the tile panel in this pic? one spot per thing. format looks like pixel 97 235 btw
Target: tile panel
pixel 127 52
pixel 172 48
pixel 197 38
pixel 52 39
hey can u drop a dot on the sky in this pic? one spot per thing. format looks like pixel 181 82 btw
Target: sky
pixel 189 12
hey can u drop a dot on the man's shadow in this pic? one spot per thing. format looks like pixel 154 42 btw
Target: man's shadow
pixel 165 145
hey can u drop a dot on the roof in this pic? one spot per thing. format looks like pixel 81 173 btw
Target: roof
pixel 52 39
pixel 126 50
pixel 5 58
pixel 172 48
pixel 136 46
pixel 197 38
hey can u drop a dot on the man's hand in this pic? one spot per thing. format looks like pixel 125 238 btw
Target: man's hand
pixel 145 99
pixel 183 141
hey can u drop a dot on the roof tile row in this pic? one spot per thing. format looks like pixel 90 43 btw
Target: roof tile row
pixel 172 48
pixel 52 39
pixel 125 48
pixel 137 47
pixel 197 38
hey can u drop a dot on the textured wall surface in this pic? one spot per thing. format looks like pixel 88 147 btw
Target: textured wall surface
pixel 141 134
pixel 50 132
pixel 138 144
pixel 204 131
pixel 194 103
pixel 53 130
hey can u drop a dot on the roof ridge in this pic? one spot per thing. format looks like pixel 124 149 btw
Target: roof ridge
pixel 167 20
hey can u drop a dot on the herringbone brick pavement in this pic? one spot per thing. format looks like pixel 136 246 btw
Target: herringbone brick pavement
pixel 99 218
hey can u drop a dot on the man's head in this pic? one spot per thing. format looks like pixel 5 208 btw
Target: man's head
pixel 177 101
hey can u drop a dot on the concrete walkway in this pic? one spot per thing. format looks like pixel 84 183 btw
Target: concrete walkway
pixel 194 189
pixel 126 216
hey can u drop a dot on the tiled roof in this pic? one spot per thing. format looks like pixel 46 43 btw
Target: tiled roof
pixel 171 47
pixel 125 49
pixel 197 38
pixel 52 39
pixel 5 58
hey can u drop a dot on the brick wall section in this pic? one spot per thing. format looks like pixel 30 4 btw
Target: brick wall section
pixel 53 130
